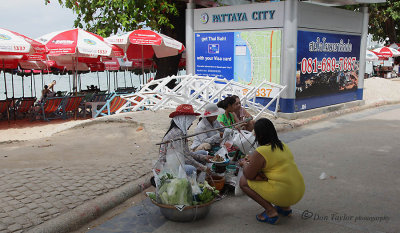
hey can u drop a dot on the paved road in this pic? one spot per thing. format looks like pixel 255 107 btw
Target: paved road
pixel 360 154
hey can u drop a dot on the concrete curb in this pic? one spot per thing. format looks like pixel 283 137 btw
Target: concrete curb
pixel 76 218
pixel 300 122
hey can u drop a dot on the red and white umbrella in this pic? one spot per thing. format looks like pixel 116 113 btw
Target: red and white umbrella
pixel 77 43
pixel 395 46
pixel 371 56
pixel 76 48
pixel 387 52
pixel 143 44
pixel 17 46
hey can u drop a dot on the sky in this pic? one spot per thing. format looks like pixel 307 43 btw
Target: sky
pixel 33 18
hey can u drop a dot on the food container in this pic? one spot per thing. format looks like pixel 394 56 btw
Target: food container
pixel 219 167
pixel 188 214
pixel 231 168
pixel 217 181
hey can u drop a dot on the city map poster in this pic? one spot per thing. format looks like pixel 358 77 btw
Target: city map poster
pixel 327 65
pixel 247 57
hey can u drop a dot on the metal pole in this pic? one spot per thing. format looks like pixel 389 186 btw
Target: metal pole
pixel 5 80
pixel 31 83
pixel 80 82
pixel 130 74
pixel 41 74
pixel 108 81
pixel 115 80
pixel 5 90
pixel 190 6
pixel 23 86
pixel 98 79
pixel 12 84
pixel 143 67
pixel 124 79
pixel 34 85
pixel 69 81
pixel 206 131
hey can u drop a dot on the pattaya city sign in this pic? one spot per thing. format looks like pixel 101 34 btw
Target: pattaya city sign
pixel 238 17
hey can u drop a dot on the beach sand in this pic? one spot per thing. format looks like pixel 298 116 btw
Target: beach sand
pixel 116 138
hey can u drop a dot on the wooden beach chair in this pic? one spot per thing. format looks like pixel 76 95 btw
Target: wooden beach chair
pixel 24 105
pixel 111 106
pixel 5 108
pixel 70 104
pixel 98 99
pixel 48 109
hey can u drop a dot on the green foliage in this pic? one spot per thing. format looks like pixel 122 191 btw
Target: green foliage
pixel 106 17
pixel 384 20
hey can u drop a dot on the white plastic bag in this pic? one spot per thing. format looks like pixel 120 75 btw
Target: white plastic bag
pixel 238 190
pixel 245 141
pixel 228 138
pixel 174 160
pixel 193 181
pixel 222 152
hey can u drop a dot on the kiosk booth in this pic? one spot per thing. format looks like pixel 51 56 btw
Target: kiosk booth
pixel 316 51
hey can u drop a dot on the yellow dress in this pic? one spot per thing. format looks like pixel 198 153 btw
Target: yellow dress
pixel 285 185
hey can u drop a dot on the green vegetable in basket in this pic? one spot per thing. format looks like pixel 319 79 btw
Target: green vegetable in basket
pixel 176 192
pixel 152 196
pixel 166 177
pixel 208 193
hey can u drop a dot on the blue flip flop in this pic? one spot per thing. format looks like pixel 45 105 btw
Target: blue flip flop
pixel 270 220
pixel 283 212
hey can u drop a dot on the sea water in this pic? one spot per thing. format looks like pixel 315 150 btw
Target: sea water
pixel 29 86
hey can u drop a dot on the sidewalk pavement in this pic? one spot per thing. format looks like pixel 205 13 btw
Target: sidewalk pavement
pixel 61 199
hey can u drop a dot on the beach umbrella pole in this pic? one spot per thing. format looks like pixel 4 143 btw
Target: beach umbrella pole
pixel 41 74
pixel 23 86
pixel 13 101
pixel 98 79
pixel 124 79
pixel 5 79
pixel 130 74
pixel 143 67
pixel 32 83
pixel 12 84
pixel 5 90
pixel 69 81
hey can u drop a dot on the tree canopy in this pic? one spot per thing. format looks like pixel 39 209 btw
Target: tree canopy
pixel 384 20
pixel 106 17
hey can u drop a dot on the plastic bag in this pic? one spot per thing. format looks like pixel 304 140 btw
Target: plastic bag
pixel 201 178
pixel 227 138
pixel 176 192
pixel 174 159
pixel 195 187
pixel 222 152
pixel 245 141
pixel 238 190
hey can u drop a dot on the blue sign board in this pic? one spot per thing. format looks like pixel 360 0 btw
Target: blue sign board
pixel 327 69
pixel 214 54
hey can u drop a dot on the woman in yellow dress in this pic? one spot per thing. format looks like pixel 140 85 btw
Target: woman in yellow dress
pixel 270 175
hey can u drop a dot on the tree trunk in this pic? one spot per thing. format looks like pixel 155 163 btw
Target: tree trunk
pixel 168 66
pixel 390 30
